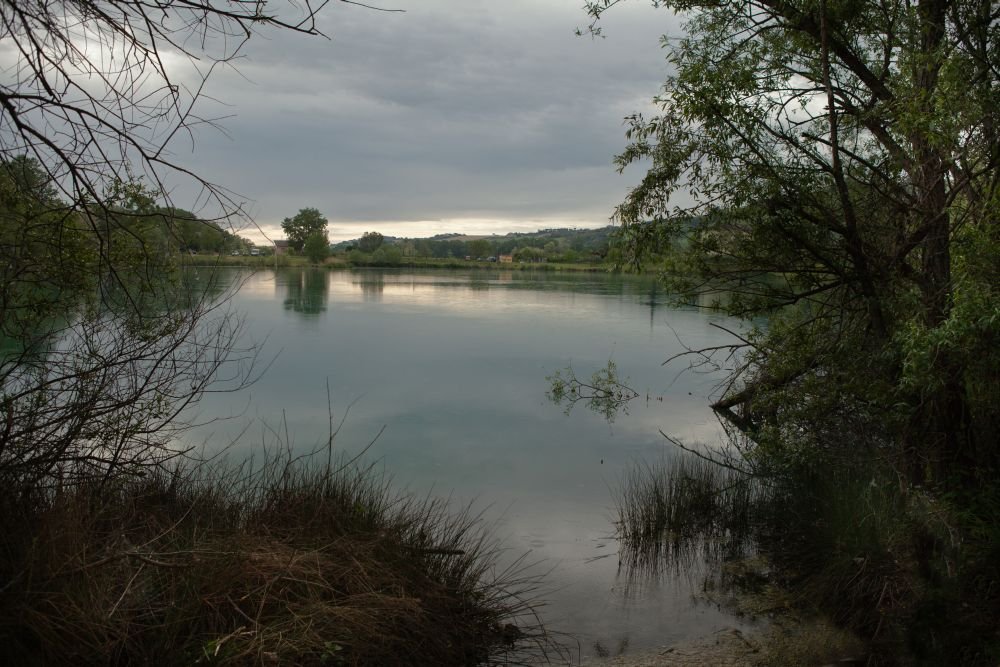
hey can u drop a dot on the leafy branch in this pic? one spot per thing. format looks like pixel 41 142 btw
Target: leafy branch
pixel 604 393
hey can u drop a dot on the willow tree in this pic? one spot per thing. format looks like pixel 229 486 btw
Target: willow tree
pixel 834 165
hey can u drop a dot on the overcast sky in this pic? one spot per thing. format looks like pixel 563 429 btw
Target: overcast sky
pixel 456 116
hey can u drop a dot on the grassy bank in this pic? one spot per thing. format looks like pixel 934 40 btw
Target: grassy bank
pixel 287 564
pixel 339 262
pixel 259 262
pixel 431 263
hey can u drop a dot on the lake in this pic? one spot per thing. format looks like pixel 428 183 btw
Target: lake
pixel 453 364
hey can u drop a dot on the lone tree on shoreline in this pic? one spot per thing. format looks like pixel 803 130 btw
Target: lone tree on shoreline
pixel 307 222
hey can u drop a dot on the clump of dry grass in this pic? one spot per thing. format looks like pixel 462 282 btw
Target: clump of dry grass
pixel 283 564
pixel 809 643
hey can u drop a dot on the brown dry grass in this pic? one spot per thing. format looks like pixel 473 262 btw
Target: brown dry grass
pixel 281 565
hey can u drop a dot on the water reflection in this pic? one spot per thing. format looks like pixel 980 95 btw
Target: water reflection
pixel 306 291
pixel 478 283
pixel 653 289
pixel 372 284
pixel 204 285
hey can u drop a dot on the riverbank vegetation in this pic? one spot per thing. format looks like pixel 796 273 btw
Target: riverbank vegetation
pixel 287 562
pixel 844 167
pixel 545 250
pixel 570 246
pixel 340 261
pixel 548 249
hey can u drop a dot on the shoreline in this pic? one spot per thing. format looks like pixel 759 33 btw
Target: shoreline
pixel 728 647
pixel 336 263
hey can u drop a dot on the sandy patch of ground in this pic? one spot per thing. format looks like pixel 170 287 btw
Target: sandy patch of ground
pixel 725 648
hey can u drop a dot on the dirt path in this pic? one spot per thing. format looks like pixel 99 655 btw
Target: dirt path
pixel 725 648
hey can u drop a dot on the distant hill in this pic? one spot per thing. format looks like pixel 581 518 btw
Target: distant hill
pixel 557 244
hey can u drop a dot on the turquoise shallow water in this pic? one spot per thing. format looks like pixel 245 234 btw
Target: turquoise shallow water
pixel 454 366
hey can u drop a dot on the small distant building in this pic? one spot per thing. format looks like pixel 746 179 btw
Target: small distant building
pixel 506 259
pixel 281 247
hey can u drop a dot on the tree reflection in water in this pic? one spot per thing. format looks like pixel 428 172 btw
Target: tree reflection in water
pixel 307 291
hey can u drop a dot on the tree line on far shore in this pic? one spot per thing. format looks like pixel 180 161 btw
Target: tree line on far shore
pixel 308 236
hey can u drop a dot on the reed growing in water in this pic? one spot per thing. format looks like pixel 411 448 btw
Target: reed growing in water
pixel 906 572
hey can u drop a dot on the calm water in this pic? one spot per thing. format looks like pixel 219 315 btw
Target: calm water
pixel 453 364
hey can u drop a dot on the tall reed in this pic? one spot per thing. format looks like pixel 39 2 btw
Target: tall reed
pixel 679 513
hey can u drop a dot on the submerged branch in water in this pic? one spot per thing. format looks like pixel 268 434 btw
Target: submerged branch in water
pixel 604 393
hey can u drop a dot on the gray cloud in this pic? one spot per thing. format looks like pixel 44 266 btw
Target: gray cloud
pixel 452 110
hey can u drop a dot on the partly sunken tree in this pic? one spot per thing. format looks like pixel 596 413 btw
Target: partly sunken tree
pixel 844 163
pixel 307 222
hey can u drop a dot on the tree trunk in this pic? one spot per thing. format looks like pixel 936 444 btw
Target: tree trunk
pixel 941 422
